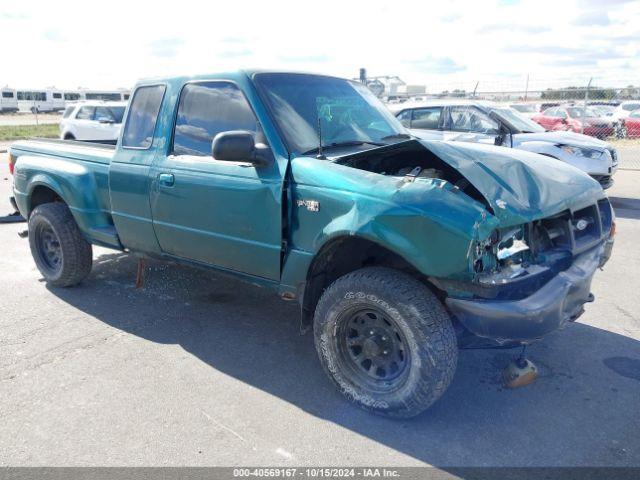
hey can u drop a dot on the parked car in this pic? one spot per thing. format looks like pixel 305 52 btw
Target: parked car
pixel 494 123
pixel 621 113
pixel 625 108
pixel 526 109
pixel 603 110
pixel 631 125
pixel 400 250
pixel 575 119
pixel 95 121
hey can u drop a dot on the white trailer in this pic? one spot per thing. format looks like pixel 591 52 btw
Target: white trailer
pixel 8 100
pixel 44 100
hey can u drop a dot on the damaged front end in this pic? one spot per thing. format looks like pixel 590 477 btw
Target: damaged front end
pixel 510 238
pixel 533 279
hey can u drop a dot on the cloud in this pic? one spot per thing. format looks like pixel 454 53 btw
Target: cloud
pixel 509 27
pixel 235 53
pixel 54 35
pixel 320 58
pixel 14 16
pixel 436 65
pixel 165 47
pixel 591 19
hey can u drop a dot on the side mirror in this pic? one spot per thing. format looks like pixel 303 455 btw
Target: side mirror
pixel 237 146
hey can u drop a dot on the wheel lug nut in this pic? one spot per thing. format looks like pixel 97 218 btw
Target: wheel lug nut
pixel 370 332
pixel 384 338
pixel 384 352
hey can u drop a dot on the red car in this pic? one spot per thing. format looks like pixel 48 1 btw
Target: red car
pixel 631 125
pixel 575 119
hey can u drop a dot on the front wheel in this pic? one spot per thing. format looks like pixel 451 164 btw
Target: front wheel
pixel 386 341
pixel 62 255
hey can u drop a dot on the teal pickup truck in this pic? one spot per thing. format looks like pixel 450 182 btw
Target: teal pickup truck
pixel 399 251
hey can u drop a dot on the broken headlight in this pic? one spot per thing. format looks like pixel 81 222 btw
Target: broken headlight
pixel 502 254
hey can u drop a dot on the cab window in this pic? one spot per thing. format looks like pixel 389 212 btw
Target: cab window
pixel 141 120
pixel 206 109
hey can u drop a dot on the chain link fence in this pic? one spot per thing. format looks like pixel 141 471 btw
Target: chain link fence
pixel 611 114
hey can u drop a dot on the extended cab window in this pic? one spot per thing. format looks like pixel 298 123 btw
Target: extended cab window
pixel 470 119
pixel 426 118
pixel 141 122
pixel 207 109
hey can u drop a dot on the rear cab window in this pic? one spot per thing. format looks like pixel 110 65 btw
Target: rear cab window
pixel 142 117
pixel 206 109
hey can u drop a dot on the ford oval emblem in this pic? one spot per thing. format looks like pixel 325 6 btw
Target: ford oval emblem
pixel 581 224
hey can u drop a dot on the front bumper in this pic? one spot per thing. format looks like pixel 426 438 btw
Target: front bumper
pixel 559 301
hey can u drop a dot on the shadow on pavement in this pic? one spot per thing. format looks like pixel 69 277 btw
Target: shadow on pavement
pixel 584 410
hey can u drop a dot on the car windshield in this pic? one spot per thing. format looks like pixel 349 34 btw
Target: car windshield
pixel 344 112
pixel 525 108
pixel 579 112
pixel 517 121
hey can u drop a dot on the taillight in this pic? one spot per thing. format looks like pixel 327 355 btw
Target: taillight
pixel 12 162
pixel 613 229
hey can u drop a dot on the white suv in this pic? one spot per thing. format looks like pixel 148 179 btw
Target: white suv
pixel 93 121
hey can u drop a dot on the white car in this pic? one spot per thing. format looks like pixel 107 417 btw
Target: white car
pixel 93 121
pixel 497 124
pixel 624 109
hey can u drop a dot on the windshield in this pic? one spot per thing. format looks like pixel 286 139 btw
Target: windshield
pixel 579 112
pixel 344 111
pixel 517 121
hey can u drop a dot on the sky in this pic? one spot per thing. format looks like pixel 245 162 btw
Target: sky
pixel 443 44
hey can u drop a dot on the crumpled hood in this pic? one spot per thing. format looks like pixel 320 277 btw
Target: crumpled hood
pixel 566 138
pixel 520 186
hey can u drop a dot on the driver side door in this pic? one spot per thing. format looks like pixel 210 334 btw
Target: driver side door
pixel 226 214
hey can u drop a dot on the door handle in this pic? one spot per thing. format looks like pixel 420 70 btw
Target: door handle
pixel 166 179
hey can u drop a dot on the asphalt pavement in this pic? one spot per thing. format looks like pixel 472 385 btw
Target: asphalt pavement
pixel 199 369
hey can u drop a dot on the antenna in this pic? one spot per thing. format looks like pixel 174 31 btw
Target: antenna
pixel 320 155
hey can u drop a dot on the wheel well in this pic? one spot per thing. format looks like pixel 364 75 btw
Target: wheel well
pixel 344 255
pixel 69 136
pixel 42 194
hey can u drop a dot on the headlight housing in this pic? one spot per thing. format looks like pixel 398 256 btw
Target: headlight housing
pixel 580 151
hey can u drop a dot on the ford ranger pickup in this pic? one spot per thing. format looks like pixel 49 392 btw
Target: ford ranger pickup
pixel 398 250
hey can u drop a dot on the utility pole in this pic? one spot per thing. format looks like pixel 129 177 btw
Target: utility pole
pixel 526 88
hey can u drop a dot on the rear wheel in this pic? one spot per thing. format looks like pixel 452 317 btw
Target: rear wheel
pixel 61 254
pixel 386 341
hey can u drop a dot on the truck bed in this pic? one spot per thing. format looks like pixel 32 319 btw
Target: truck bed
pixel 68 149
pixel 77 172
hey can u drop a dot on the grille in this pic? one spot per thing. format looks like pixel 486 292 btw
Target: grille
pixel 577 231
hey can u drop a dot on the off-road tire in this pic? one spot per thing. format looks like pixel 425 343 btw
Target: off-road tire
pixel 76 255
pixel 422 321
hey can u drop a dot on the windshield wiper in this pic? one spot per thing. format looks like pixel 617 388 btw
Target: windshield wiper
pixel 397 135
pixel 348 143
